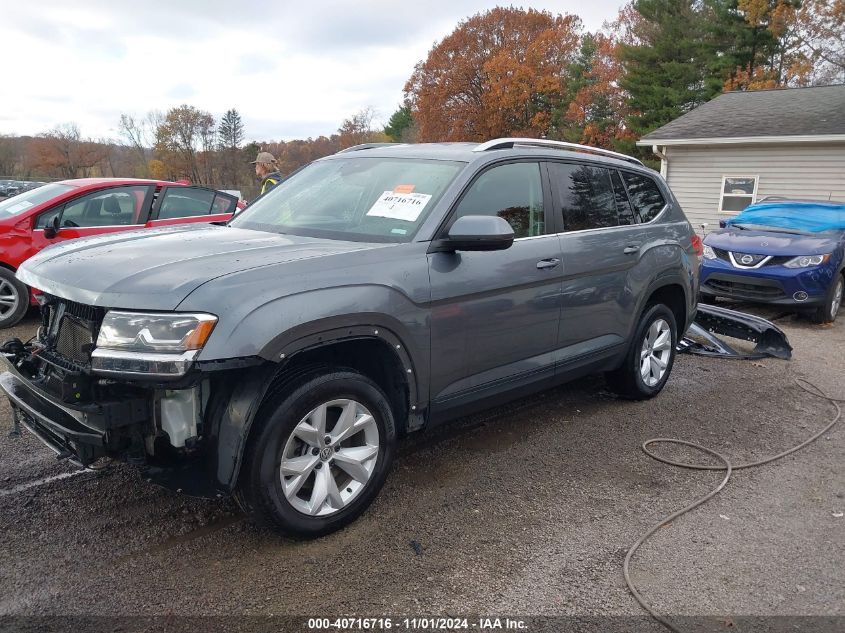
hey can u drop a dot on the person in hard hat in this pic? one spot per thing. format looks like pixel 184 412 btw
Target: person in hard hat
pixel 267 169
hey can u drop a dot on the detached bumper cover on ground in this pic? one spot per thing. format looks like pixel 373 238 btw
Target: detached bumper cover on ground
pixel 701 337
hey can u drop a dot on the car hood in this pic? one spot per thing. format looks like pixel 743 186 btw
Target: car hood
pixel 156 269
pixel 770 242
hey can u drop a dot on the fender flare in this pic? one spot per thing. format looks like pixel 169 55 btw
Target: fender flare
pixel 233 410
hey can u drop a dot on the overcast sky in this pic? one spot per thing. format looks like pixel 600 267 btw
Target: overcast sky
pixel 292 69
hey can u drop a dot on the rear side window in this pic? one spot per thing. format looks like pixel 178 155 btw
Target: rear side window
pixel 645 195
pixel 513 192
pixel 585 195
pixel 185 202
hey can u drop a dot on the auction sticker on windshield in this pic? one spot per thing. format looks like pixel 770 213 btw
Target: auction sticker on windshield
pixel 399 206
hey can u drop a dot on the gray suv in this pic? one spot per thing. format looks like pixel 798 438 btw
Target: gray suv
pixel 374 293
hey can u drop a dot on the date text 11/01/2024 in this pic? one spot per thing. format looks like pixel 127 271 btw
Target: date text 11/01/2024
pixel 417 624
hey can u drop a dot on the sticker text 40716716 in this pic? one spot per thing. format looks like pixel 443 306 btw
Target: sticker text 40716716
pixel 399 206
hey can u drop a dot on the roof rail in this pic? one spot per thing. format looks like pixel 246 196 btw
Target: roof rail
pixel 356 148
pixel 504 143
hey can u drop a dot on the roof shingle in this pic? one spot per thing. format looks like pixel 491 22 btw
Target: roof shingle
pixel 812 111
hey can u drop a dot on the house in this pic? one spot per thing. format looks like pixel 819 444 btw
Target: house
pixel 744 146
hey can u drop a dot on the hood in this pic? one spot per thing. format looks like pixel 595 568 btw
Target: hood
pixel 156 269
pixel 770 242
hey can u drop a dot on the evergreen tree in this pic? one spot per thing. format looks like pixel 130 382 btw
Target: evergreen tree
pixel 399 123
pixel 668 70
pixel 230 134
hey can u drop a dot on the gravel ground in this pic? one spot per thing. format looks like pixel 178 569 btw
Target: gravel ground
pixel 524 511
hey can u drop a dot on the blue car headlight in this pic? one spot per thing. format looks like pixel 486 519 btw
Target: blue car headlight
pixel 709 253
pixel 805 261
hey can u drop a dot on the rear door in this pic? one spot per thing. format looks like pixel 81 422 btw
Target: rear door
pixel 181 205
pixel 108 210
pixel 600 245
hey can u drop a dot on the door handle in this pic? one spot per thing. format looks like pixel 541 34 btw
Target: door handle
pixel 631 248
pixel 544 264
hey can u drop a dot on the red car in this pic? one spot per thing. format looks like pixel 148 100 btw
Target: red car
pixel 69 209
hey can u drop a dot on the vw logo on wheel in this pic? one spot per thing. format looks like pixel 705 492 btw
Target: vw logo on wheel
pixel 746 259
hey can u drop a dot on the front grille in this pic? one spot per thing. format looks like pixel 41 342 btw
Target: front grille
pixel 75 340
pixel 69 333
pixel 748 259
pixel 724 255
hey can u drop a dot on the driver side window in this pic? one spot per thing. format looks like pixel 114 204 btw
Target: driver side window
pixel 110 207
pixel 513 192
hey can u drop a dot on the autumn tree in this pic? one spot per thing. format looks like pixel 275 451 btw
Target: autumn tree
pixel 184 141
pixel 819 28
pixel 596 105
pixel 498 73
pixel 64 153
pixel 8 155
pixel 359 129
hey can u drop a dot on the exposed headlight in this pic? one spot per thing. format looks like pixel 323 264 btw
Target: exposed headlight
pixel 171 333
pixel 709 253
pixel 805 261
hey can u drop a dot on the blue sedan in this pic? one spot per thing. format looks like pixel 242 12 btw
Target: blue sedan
pixel 789 253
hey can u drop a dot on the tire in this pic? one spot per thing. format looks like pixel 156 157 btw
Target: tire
pixel 628 380
pixel 14 299
pixel 287 433
pixel 826 313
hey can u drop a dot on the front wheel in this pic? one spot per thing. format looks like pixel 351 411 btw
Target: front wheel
pixel 14 299
pixel 319 454
pixel 650 357
pixel 826 313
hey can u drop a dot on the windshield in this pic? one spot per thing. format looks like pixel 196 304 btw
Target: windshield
pixel 28 199
pixel 359 199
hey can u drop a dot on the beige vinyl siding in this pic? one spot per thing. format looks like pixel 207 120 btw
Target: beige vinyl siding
pixel 805 171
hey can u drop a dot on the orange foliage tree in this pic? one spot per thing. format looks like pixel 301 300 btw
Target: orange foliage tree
pixel 596 114
pixel 498 73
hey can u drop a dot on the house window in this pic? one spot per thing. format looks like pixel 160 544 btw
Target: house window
pixel 737 193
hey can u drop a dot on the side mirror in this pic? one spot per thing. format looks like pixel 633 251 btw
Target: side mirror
pixel 51 231
pixel 477 233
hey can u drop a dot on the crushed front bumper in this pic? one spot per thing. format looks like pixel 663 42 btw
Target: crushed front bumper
pixel 79 433
pixel 701 337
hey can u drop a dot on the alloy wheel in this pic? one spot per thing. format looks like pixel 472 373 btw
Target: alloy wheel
pixel 8 298
pixel 837 298
pixel 655 352
pixel 329 457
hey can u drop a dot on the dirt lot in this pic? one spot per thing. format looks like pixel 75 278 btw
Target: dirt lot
pixel 525 511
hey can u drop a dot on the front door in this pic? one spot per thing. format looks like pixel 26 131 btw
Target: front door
pixel 110 210
pixel 494 315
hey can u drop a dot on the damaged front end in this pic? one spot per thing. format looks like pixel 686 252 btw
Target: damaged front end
pixel 711 320
pixel 84 413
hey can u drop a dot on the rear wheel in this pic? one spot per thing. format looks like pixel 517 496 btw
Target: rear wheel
pixel 649 360
pixel 826 313
pixel 319 454
pixel 14 299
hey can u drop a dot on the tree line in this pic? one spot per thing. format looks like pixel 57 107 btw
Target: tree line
pixel 502 72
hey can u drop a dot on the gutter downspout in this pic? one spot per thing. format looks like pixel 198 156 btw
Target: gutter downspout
pixel 664 160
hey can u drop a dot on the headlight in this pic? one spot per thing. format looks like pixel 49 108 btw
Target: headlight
pixel 171 333
pixel 805 261
pixel 709 253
